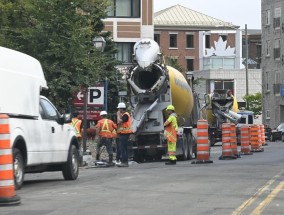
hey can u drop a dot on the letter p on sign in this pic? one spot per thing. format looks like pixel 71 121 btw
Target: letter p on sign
pixel 96 96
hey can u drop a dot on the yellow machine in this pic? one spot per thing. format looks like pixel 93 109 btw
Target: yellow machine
pixel 153 86
pixel 181 93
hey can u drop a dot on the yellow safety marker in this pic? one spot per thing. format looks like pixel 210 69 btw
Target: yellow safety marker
pixel 268 199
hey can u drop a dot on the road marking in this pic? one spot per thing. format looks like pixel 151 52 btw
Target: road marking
pixel 248 202
pixel 268 199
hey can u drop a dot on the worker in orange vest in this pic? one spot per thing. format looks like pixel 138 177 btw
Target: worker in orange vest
pixel 124 130
pixel 171 128
pixel 105 130
pixel 76 123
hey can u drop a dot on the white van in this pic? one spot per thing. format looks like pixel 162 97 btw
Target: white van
pixel 41 138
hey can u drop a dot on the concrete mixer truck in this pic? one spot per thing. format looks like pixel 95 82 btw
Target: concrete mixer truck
pixel 153 86
pixel 222 107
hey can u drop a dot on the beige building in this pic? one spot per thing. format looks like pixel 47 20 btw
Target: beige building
pixel 129 21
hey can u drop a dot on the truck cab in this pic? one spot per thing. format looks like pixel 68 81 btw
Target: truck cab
pixel 40 137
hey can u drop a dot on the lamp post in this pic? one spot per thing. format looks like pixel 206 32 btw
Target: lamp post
pixel 99 43
pixel 190 78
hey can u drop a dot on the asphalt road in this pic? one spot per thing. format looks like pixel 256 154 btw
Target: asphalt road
pixel 252 184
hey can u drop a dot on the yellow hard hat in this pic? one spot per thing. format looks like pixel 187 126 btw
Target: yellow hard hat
pixel 171 107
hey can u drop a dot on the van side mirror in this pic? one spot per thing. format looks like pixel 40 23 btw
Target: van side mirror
pixel 65 118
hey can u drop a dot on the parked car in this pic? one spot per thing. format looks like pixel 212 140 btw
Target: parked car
pixel 278 133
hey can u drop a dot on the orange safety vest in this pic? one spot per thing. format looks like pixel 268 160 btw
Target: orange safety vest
pixel 125 127
pixel 107 128
pixel 171 128
pixel 76 123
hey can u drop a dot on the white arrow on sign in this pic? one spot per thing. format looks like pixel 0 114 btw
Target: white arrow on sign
pixel 80 96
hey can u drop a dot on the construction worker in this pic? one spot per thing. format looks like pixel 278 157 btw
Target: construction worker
pixel 104 129
pixel 124 130
pixel 76 123
pixel 171 128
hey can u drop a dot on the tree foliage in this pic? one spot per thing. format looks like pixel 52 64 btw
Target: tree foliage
pixel 59 34
pixel 254 103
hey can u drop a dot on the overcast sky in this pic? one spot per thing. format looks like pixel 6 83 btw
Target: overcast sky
pixel 239 12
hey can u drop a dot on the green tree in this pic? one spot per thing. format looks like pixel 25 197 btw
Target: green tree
pixel 254 103
pixel 59 34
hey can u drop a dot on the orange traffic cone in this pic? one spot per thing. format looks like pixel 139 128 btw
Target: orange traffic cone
pixel 203 153
pixel 227 152
pixel 245 146
pixel 7 188
pixel 234 144
pixel 255 139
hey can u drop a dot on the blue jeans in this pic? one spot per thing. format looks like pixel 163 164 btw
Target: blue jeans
pixel 123 146
pixel 105 142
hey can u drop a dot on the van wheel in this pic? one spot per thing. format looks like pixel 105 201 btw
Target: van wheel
pixel 19 166
pixel 70 169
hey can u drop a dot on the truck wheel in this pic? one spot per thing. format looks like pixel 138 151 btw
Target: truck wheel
pixel 190 146
pixel 19 166
pixel 70 169
pixel 282 138
pixel 185 148
pixel 138 156
pixel 212 140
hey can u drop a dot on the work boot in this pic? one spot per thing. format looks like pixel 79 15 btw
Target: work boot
pixel 110 163
pixel 171 162
pixel 97 157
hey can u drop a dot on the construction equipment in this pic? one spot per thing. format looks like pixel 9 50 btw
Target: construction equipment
pixel 220 107
pixel 152 87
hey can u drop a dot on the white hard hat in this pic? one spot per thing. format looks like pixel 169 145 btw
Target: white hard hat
pixel 103 113
pixel 121 105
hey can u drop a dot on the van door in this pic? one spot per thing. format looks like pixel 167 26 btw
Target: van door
pixel 56 135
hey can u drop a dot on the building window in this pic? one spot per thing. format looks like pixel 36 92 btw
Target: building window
pixel 157 38
pixel 189 41
pixel 277 17
pixel 124 8
pixel 190 64
pixel 173 40
pixel 218 63
pixel 268 48
pixel 277 49
pixel 267 114
pixel 207 41
pixel 124 52
pixel 224 85
pixel 277 84
pixel 267 82
pixel 267 17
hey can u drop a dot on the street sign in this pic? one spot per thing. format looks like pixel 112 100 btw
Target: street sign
pixel 95 97
pixel 96 101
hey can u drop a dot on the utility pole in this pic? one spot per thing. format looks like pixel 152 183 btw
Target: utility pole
pixel 85 119
pixel 246 56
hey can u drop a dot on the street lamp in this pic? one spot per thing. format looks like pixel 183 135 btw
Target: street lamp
pixel 99 43
pixel 190 78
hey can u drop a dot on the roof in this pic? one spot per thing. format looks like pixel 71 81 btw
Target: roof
pixel 182 16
